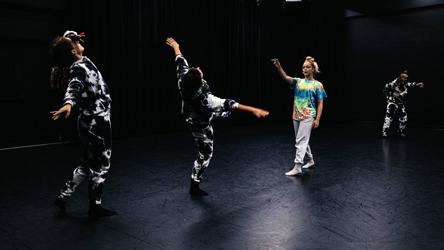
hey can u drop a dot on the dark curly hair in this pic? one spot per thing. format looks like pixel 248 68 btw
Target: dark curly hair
pixel 60 52
pixel 191 82
pixel 404 76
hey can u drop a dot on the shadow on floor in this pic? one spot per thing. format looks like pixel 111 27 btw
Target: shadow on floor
pixel 365 192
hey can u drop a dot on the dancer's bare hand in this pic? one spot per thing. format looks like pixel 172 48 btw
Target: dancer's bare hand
pixel 260 113
pixel 171 42
pixel 65 109
pixel 276 62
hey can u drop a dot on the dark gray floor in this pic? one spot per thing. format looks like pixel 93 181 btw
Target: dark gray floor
pixel 364 193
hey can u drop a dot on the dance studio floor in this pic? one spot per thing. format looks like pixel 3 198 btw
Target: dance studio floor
pixel 364 193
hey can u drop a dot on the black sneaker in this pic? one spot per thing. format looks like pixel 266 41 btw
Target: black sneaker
pixel 195 190
pixel 61 203
pixel 402 135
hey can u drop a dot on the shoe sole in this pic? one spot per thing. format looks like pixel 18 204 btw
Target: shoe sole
pixel 61 205
pixel 300 173
pixel 310 166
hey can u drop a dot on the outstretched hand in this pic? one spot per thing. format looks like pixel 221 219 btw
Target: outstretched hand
pixel 255 111
pixel 66 108
pixel 260 112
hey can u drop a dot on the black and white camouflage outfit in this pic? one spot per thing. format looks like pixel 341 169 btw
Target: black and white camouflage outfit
pixel 199 109
pixel 88 92
pixel 396 104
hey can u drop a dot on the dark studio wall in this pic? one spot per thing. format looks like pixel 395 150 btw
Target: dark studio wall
pixel 229 41
pixel 25 97
pixel 358 52
pixel 232 42
pixel 380 44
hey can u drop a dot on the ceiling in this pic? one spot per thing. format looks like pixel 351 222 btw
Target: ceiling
pixel 381 6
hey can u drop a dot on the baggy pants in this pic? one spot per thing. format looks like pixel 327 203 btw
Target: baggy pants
pixel 392 109
pixel 302 131
pixel 96 138
pixel 204 138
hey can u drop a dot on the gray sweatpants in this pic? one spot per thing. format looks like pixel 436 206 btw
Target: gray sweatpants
pixel 302 132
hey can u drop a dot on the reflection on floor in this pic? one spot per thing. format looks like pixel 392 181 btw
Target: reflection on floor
pixel 365 192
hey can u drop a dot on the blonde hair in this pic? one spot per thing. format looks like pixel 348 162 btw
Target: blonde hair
pixel 313 63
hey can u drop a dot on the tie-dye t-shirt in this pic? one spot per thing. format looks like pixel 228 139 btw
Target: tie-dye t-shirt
pixel 306 96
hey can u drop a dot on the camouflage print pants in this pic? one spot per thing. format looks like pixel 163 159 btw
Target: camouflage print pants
pixel 203 136
pixel 96 139
pixel 392 109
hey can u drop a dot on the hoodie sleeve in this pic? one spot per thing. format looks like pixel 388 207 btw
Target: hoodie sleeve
pixel 75 86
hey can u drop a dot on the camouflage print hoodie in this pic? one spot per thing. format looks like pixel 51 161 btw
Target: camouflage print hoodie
pixel 87 90
pixel 201 107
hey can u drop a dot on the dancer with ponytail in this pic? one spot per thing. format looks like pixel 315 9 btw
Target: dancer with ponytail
pixel 86 90
pixel 309 95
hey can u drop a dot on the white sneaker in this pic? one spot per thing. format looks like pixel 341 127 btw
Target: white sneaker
pixel 309 164
pixel 297 170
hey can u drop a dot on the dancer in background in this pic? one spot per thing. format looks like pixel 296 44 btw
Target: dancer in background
pixel 199 108
pixel 86 90
pixel 396 93
pixel 309 95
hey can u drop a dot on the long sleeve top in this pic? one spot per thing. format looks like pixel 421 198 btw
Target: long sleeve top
pixel 201 106
pixel 402 89
pixel 87 90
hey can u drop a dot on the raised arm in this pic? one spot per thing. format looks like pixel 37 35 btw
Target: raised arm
pixel 181 63
pixel 173 44
pixel 281 72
